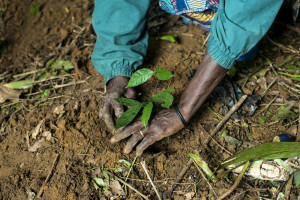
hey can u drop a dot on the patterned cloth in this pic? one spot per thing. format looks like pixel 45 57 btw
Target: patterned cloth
pixel 198 12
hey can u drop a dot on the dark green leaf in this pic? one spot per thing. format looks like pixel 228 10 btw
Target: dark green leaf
pixel 25 84
pixel 139 77
pixel 268 151
pixel 165 97
pixel 35 9
pixel 170 38
pixel 128 116
pixel 231 72
pixel 297 178
pixel 147 113
pixel 127 102
pixel 163 74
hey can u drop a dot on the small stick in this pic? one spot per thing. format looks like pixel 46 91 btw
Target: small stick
pixel 216 142
pixel 206 39
pixel 128 185
pixel 167 194
pixel 267 106
pixel 263 94
pixel 298 132
pixel 236 183
pixel 282 46
pixel 293 165
pixel 148 176
pixel 48 177
pixel 227 116
pixel 288 187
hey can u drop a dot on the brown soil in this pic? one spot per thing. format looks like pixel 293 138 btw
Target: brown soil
pixel 81 139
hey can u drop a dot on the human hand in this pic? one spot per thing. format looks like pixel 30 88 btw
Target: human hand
pixel 116 89
pixel 165 123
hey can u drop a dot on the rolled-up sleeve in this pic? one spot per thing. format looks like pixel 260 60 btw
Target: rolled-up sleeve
pixel 238 26
pixel 122 37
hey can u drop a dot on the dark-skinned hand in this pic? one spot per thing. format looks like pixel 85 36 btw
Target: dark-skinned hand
pixel 163 124
pixel 166 122
pixel 116 88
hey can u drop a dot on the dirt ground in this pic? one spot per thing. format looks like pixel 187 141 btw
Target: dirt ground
pixel 79 141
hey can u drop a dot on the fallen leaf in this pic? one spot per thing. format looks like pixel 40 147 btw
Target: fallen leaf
pixel 116 188
pixel 37 145
pixel 189 195
pixel 47 135
pixel 36 130
pixel 59 110
pixel 8 94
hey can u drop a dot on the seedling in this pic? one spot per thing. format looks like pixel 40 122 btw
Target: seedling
pixel 35 9
pixel 137 78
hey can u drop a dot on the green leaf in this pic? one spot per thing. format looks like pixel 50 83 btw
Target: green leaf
pixel 99 181
pixel 297 178
pixel 292 67
pixel 61 65
pixel 231 72
pixel 25 84
pixel 170 38
pixel 202 164
pixel 147 113
pixel 128 116
pixel 126 163
pixel 163 74
pixel 127 102
pixel 35 9
pixel 165 97
pixel 105 174
pixel 268 151
pixel 139 77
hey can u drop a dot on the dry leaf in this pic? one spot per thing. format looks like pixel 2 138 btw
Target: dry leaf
pixel 59 110
pixel 189 195
pixel 116 188
pixel 37 145
pixel 36 130
pixel 47 135
pixel 8 94
pixel 262 83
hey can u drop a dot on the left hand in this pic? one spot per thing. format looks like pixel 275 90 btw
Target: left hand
pixel 165 123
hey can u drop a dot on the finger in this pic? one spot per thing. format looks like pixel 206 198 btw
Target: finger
pixel 127 131
pixel 106 116
pixel 130 93
pixel 118 108
pixel 135 138
pixel 147 141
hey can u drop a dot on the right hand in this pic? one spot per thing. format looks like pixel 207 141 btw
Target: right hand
pixel 116 88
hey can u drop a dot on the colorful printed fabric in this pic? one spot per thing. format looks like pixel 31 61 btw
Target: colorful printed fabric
pixel 198 12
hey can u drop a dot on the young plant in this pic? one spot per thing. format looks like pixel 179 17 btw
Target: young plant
pixel 137 78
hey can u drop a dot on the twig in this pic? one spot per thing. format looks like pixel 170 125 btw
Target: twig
pixel 298 132
pixel 227 116
pixel 206 39
pixel 48 177
pixel 205 178
pixel 128 185
pixel 236 183
pixel 293 165
pixel 69 84
pixel 148 176
pixel 288 187
pixel 269 86
pixel 167 194
pixel 289 87
pixel 282 46
pixel 267 106
pixel 216 141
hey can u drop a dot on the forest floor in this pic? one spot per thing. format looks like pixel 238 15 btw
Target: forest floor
pixel 52 128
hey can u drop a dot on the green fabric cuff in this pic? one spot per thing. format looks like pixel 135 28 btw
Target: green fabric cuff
pixel 218 55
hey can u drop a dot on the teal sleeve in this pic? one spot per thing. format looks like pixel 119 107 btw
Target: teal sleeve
pixel 238 26
pixel 122 37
